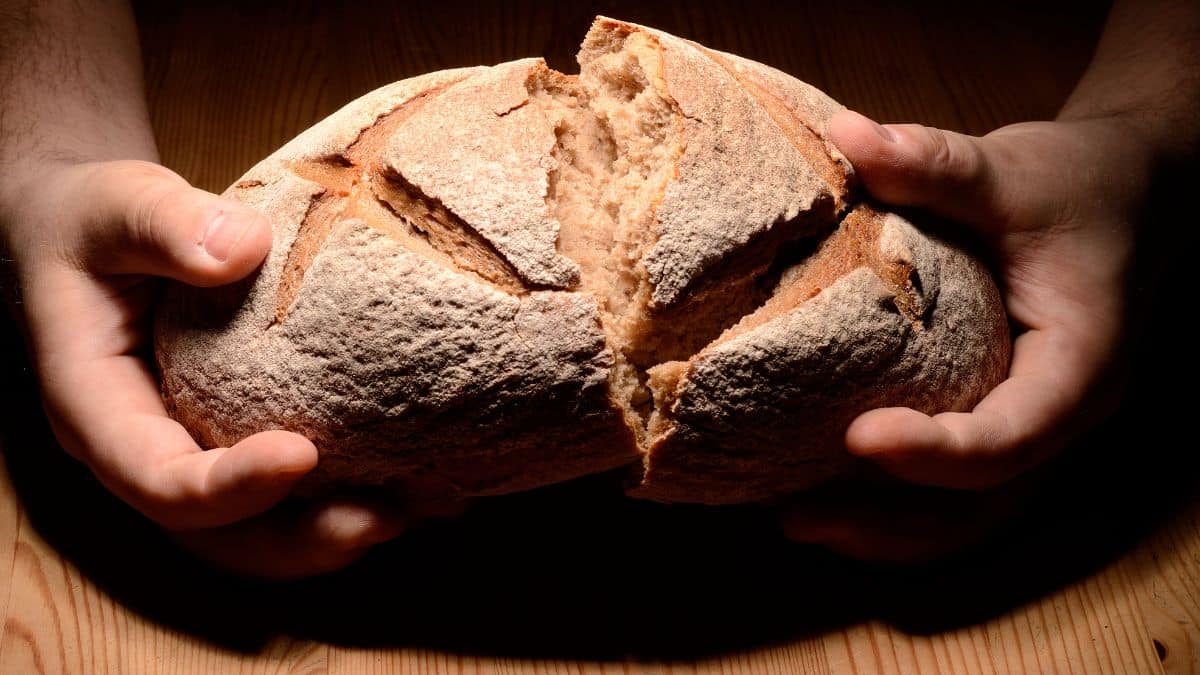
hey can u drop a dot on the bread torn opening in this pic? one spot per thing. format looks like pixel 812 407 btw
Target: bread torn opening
pixel 618 139
pixel 800 273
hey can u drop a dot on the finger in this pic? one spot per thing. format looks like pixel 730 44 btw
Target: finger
pixel 150 461
pixel 285 544
pixel 949 174
pixel 877 536
pixel 1025 419
pixel 224 485
pixel 898 525
pixel 104 404
pixel 141 218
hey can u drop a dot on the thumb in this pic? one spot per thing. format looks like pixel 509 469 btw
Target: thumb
pixel 946 173
pixel 142 218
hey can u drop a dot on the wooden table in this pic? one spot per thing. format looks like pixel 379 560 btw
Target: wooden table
pixel 1101 576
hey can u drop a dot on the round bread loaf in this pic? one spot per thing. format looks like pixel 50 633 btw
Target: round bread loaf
pixel 489 279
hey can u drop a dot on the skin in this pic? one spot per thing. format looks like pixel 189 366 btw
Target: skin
pixel 1058 206
pixel 92 222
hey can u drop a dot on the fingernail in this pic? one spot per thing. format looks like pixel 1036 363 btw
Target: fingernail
pixel 385 528
pixel 368 524
pixel 225 230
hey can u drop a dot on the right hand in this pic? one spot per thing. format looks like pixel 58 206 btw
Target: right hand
pixel 1056 205
pixel 89 242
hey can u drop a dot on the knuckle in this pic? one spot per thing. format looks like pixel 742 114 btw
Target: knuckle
pixel 937 148
pixel 166 512
pixel 147 215
pixel 140 169
pixel 332 550
pixel 172 507
pixel 142 190
pixel 956 158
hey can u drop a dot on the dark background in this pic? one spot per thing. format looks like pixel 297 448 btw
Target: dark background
pixel 576 570
pixel 231 81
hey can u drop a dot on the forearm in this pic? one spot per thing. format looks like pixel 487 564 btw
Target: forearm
pixel 71 78
pixel 1146 73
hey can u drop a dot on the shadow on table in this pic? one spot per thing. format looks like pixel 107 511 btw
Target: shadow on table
pixel 577 571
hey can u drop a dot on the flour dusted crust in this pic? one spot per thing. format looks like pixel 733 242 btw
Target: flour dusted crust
pixel 739 176
pixel 763 411
pixel 488 279
pixel 405 371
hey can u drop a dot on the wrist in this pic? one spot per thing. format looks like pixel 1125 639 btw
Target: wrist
pixel 1165 142
pixel 1125 141
pixel 26 185
pixel 53 148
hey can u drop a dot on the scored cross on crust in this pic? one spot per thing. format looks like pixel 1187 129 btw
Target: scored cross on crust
pixel 358 184
pixel 496 278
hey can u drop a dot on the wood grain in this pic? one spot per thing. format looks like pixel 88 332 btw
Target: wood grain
pixel 1165 580
pixel 10 518
pixel 560 584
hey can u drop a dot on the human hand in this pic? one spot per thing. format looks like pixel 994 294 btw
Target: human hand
pixel 1055 205
pixel 89 242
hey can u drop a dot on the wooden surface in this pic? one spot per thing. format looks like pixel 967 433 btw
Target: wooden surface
pixel 1101 574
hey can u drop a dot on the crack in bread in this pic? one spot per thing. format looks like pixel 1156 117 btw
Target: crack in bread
pixel 793 123
pixel 429 218
pixel 340 176
pixel 496 278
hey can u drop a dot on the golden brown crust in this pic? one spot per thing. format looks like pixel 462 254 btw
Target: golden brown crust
pixel 405 370
pixel 429 314
pixel 882 315
pixel 346 178
pixel 801 119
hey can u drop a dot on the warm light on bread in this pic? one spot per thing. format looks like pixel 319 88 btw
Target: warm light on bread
pixel 488 279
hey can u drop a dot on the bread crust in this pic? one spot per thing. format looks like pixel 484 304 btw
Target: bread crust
pixel 740 176
pixel 403 370
pixel 416 319
pixel 763 413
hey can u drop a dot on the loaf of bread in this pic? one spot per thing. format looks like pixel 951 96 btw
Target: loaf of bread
pixel 489 279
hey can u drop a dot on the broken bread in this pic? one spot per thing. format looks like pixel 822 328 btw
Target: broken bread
pixel 488 279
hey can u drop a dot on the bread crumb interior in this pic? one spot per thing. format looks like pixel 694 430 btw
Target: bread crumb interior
pixel 619 137
pixel 617 142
